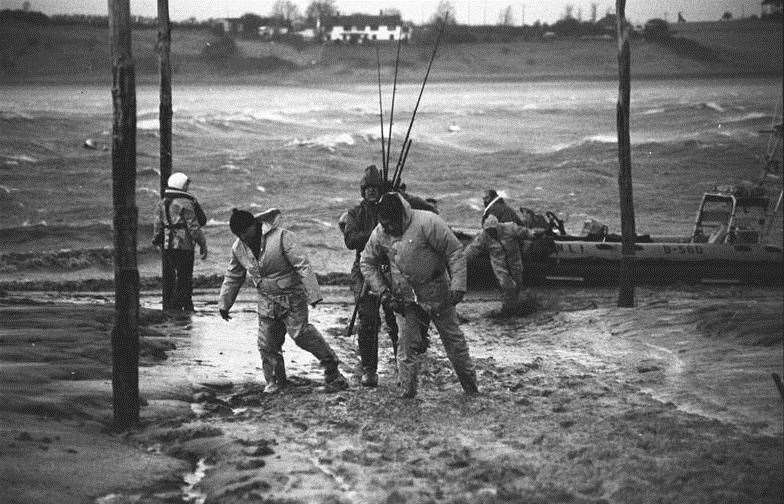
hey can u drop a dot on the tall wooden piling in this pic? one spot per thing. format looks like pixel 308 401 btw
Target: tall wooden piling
pixel 165 118
pixel 628 232
pixel 125 335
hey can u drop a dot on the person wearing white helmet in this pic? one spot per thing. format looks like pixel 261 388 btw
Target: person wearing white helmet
pixel 177 230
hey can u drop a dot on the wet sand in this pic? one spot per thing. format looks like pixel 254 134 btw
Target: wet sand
pixel 671 401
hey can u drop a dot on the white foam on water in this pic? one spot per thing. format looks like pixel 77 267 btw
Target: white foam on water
pixel 712 106
pixel 746 117
pixel 215 223
pixel 147 190
pixel 24 158
pixel 328 142
pixel 8 189
pixel 261 188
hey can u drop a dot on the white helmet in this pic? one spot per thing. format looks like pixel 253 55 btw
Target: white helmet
pixel 178 180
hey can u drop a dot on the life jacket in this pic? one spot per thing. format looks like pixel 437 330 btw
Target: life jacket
pixel 169 227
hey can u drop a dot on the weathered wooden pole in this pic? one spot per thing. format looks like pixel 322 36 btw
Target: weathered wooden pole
pixel 165 118
pixel 628 232
pixel 125 336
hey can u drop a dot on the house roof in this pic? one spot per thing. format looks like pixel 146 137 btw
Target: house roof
pixel 362 20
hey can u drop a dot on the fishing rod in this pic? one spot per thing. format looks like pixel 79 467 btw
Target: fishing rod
pixel 384 166
pixel 398 174
pixel 392 110
pixel 399 168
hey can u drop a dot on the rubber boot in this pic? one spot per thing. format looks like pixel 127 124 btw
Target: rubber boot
pixel 468 382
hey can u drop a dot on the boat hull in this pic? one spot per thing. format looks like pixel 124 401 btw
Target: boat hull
pixel 655 263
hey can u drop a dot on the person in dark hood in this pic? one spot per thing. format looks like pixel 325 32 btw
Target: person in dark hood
pixel 177 231
pixel 356 225
pixel 427 274
pixel 495 205
pixel 286 285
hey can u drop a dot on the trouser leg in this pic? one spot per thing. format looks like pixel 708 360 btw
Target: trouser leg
pixel 409 351
pixel 170 282
pixel 307 337
pixel 392 328
pixel 185 280
pixel 456 348
pixel 368 322
pixel 367 333
pixel 271 335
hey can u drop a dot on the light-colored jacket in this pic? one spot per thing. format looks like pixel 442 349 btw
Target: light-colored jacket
pixel 181 229
pixel 508 241
pixel 281 269
pixel 426 262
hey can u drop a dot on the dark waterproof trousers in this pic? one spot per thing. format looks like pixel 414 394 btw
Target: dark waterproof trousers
pixel 179 292
pixel 369 323
pixel 279 314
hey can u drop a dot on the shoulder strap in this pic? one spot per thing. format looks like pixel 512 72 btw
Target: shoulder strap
pixel 282 250
pixel 200 217
pixel 166 204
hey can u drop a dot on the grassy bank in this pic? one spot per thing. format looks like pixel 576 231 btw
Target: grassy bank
pixel 80 54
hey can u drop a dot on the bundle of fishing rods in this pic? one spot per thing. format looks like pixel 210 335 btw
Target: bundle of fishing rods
pixel 393 183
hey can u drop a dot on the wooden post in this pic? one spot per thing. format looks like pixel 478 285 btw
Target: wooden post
pixel 165 117
pixel 125 336
pixel 628 232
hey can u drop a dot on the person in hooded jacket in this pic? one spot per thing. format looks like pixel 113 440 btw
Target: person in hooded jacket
pixel 495 205
pixel 501 240
pixel 356 225
pixel 427 274
pixel 286 285
pixel 178 229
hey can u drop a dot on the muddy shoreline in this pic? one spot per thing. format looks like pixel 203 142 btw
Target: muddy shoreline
pixel 581 402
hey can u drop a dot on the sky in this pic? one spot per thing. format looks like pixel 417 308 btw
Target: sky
pixel 466 12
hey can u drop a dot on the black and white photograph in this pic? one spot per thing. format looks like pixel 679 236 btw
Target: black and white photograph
pixel 393 252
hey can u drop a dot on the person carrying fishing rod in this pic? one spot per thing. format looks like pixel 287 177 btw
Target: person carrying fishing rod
pixel 427 274
pixel 357 225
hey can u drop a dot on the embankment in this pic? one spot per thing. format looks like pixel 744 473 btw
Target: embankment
pixel 80 54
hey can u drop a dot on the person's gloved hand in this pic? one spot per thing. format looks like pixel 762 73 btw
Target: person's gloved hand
pixel 203 252
pixel 314 303
pixel 224 314
pixel 455 296
pixel 396 304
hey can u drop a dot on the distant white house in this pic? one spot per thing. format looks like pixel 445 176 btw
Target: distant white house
pixel 363 28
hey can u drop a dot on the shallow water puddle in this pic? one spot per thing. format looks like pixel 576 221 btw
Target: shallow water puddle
pixel 227 351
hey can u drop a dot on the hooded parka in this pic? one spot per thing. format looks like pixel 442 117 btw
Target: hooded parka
pixel 505 257
pixel 502 211
pixel 426 262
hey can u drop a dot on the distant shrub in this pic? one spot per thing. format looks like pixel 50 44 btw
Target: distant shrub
pixel 656 29
pixel 223 47
pixel 38 18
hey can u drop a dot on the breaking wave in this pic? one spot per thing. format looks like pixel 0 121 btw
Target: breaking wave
pixel 19 158
pixel 328 142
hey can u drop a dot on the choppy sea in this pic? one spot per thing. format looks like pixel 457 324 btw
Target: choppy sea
pixel 544 145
